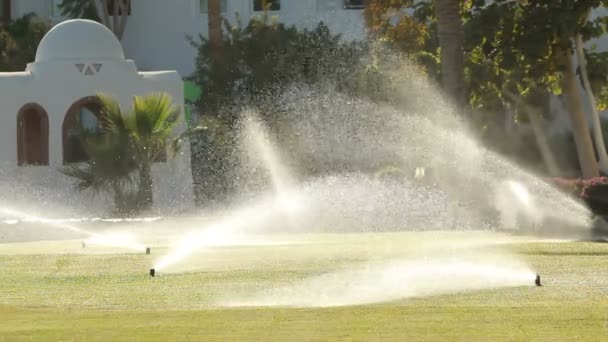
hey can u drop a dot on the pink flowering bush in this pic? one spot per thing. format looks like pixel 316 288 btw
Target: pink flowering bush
pixel 593 191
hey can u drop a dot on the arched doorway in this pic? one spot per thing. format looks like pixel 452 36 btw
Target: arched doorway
pixel 32 135
pixel 83 117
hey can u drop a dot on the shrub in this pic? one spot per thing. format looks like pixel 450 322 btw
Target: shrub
pixel 19 40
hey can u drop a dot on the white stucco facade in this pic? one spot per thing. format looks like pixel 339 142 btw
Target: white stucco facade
pixel 76 60
pixel 156 29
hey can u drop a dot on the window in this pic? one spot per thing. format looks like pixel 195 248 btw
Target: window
pixel 82 117
pixel 327 5
pixel 5 10
pixel 32 136
pixel 110 5
pixel 204 4
pixel 271 5
pixel 354 4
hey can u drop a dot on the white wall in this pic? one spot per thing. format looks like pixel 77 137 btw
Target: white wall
pixel 56 85
pixel 156 30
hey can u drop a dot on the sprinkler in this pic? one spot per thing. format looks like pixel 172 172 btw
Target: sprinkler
pixel 152 272
pixel 147 250
pixel 537 281
pixel 84 244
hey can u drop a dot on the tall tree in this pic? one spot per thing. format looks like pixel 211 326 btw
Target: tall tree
pixel 114 14
pixel 214 13
pixel 451 40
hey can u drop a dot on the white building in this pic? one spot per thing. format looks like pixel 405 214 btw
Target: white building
pixel 42 106
pixel 155 36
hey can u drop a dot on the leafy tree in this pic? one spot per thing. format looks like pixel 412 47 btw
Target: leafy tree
pixel 258 61
pixel 538 55
pixel 114 14
pixel 84 9
pixel 121 158
pixel 19 40
pixel 518 53
pixel 263 57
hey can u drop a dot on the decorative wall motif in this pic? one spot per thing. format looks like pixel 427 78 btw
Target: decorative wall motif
pixel 89 69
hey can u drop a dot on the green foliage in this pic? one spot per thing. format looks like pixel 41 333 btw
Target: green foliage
pixel 121 157
pixel 258 62
pixel 84 9
pixel 19 40
pixel 263 57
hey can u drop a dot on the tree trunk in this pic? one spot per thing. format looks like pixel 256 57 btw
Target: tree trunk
pixel 451 39
pixel 580 128
pixel 146 194
pixel 598 136
pixel 120 205
pixel 119 15
pixel 215 29
pixel 124 16
pixel 102 10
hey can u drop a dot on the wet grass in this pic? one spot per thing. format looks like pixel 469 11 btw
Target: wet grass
pixel 83 296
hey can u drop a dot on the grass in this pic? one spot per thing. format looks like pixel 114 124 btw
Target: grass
pixel 60 292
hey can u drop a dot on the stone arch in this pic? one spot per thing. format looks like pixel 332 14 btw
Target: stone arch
pixel 32 135
pixel 84 114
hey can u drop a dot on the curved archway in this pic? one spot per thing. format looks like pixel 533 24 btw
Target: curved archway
pixel 83 115
pixel 32 135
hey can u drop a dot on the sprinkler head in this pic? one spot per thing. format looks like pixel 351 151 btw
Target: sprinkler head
pixel 147 250
pixel 537 281
pixel 84 244
pixel 152 272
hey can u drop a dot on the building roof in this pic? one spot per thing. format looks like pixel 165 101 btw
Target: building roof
pixel 79 39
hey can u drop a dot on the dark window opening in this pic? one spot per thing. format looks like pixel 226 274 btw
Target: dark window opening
pixel 5 10
pixel 110 6
pixel 354 4
pixel 81 120
pixel 271 5
pixel 32 136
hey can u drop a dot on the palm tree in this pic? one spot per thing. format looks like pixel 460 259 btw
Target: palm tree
pixel 451 37
pixel 150 125
pixel 121 157
pixel 110 168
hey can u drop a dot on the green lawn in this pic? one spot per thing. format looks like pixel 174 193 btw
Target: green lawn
pixel 58 291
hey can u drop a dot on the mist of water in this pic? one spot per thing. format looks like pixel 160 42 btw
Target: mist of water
pixel 387 281
pixel 262 152
pixel 464 186
pixel 228 225
pixel 92 238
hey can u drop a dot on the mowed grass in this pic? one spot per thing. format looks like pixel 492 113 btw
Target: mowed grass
pixel 58 291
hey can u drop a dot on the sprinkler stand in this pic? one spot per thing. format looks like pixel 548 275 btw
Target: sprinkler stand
pixel 152 272
pixel 147 250
pixel 537 281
